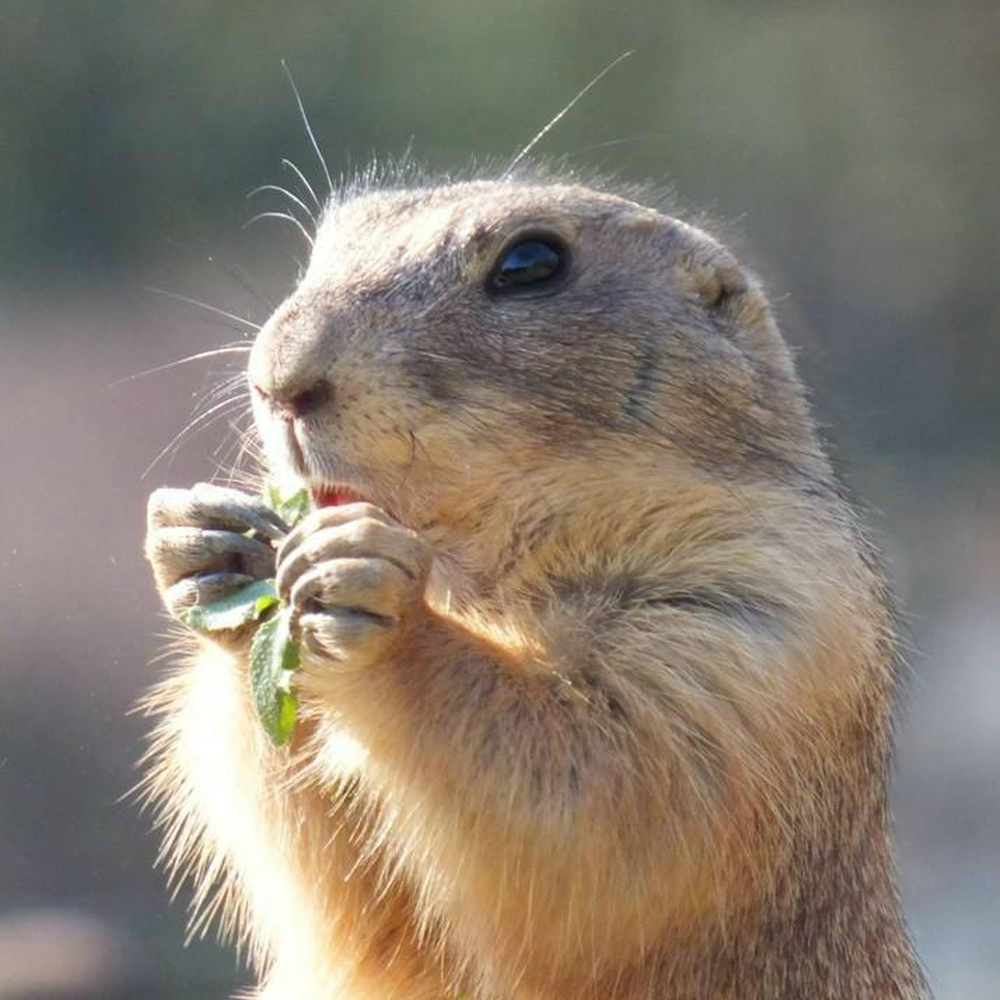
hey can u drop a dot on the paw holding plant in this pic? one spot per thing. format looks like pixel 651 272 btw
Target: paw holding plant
pixel 274 578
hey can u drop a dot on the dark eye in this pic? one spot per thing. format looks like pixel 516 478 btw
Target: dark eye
pixel 530 266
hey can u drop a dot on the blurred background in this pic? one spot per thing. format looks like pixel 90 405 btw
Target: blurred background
pixel 852 151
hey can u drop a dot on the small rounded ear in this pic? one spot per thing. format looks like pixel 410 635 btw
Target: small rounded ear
pixel 711 275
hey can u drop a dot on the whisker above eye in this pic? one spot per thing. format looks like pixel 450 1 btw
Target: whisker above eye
pixel 282 215
pixel 309 131
pixel 302 178
pixel 555 121
pixel 288 194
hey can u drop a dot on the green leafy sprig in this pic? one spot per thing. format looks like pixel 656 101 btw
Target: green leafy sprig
pixel 274 652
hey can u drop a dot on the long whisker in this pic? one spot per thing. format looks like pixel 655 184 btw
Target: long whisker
pixel 232 441
pixel 237 474
pixel 205 408
pixel 237 273
pixel 242 278
pixel 548 128
pixel 223 411
pixel 229 349
pixel 227 448
pixel 309 131
pixel 302 178
pixel 288 194
pixel 201 421
pixel 283 215
pixel 245 447
pixel 221 389
pixel 204 305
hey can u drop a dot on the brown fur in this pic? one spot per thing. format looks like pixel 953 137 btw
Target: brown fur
pixel 635 744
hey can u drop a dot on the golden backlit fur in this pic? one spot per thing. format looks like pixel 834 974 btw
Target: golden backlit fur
pixel 633 741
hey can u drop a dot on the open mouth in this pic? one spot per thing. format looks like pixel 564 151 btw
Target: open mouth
pixel 335 496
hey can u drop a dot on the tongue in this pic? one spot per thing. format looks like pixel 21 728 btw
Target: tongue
pixel 335 496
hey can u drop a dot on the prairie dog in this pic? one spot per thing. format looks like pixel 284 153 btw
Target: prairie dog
pixel 598 666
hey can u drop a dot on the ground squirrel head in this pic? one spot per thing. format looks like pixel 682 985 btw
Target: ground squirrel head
pixel 447 341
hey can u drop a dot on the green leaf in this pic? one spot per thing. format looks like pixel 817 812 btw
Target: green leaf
pixel 290 507
pixel 265 601
pixel 233 610
pixel 274 654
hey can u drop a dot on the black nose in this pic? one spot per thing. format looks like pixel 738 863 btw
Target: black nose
pixel 294 404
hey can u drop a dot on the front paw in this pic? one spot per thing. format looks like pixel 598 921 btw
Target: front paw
pixel 354 579
pixel 208 541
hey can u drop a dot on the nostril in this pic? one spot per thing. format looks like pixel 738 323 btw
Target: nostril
pixel 295 404
pixel 309 399
pixel 305 402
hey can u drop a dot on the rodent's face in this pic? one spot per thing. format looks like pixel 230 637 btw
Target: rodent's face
pixel 446 342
